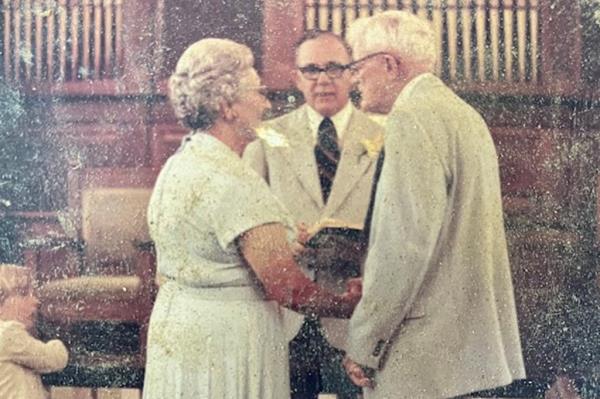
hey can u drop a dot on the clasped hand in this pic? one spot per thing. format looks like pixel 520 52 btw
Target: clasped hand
pixel 359 375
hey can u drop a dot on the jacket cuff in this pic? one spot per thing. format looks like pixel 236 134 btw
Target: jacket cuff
pixel 367 353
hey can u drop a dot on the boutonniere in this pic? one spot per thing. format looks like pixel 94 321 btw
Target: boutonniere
pixel 272 137
pixel 372 146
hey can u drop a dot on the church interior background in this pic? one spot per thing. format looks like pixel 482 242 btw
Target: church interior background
pixel 85 126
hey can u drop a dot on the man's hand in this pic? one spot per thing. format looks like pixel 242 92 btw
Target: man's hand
pixel 358 375
pixel 302 234
pixel 298 247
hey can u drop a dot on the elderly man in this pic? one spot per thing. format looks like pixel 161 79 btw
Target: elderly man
pixel 322 169
pixel 437 318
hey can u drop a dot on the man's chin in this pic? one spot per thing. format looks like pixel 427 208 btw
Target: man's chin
pixel 368 106
pixel 374 107
pixel 326 108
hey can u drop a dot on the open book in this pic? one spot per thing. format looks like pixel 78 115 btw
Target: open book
pixel 336 252
pixel 325 230
pixel 332 226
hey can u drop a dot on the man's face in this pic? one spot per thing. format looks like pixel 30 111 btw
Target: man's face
pixel 372 77
pixel 325 94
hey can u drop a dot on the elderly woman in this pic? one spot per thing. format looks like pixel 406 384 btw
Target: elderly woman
pixel 223 245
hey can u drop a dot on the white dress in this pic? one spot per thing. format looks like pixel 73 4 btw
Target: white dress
pixel 212 335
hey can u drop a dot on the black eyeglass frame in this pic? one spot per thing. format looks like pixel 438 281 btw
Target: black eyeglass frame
pixel 355 66
pixel 333 70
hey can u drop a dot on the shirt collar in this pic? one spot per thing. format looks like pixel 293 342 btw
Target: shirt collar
pixel 340 121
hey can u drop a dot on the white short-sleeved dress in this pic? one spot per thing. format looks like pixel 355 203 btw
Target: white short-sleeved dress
pixel 212 334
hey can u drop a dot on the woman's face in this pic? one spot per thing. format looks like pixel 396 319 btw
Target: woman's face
pixel 251 105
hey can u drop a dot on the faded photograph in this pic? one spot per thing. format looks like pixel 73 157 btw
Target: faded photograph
pixel 299 199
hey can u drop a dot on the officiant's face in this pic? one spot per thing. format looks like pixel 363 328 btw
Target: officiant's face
pixel 327 91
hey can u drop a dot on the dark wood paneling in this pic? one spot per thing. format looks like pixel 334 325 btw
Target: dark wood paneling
pixel 185 22
pixel 103 132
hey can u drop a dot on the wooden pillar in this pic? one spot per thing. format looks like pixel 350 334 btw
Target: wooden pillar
pixel 139 47
pixel 561 55
pixel 283 26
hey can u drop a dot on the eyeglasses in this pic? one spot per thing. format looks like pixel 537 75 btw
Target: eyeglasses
pixel 333 70
pixel 262 90
pixel 356 66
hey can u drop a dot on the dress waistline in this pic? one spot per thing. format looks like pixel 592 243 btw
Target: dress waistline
pixel 246 293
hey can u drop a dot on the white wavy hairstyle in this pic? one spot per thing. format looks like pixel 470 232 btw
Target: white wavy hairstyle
pixel 207 73
pixel 399 32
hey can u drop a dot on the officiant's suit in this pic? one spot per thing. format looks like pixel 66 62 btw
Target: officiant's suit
pixel 437 318
pixel 291 171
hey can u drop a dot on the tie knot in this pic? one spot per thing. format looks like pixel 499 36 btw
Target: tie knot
pixel 326 123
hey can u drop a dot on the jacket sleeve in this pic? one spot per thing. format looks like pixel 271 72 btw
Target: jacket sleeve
pixel 408 214
pixel 23 349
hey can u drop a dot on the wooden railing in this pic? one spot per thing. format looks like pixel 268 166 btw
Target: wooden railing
pixel 61 40
pixel 477 40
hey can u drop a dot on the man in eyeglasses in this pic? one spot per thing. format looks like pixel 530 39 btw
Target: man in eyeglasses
pixel 437 317
pixel 324 171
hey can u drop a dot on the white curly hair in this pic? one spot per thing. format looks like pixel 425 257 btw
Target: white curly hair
pixel 399 32
pixel 207 74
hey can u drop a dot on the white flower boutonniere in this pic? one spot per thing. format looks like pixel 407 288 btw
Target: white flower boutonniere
pixel 372 146
pixel 272 137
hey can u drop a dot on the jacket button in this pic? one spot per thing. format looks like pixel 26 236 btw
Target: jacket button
pixel 378 347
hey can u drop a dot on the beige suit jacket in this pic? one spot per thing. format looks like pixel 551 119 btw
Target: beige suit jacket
pixel 291 171
pixel 437 318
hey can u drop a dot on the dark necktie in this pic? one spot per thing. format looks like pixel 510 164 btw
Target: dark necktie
pixel 327 154
pixel 376 176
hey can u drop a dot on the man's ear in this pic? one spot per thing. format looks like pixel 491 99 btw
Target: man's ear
pixel 392 65
pixel 296 75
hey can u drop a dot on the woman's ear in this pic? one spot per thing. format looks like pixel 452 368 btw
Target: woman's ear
pixel 228 114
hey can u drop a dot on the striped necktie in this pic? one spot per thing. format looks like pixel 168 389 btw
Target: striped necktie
pixel 327 154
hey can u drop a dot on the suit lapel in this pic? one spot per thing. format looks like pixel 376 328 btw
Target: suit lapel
pixel 301 157
pixel 354 162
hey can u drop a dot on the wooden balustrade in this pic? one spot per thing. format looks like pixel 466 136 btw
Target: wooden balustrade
pixel 478 41
pixel 61 40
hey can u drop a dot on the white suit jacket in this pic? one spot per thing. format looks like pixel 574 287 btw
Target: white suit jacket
pixel 437 318
pixel 292 175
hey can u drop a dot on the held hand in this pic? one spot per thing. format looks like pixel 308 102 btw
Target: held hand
pixel 354 285
pixel 352 295
pixel 298 247
pixel 357 373
pixel 302 233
